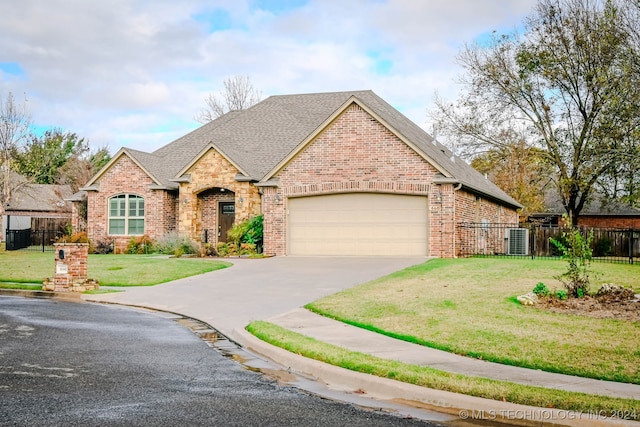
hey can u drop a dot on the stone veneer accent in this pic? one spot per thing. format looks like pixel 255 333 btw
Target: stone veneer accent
pixel 70 271
pixel 213 171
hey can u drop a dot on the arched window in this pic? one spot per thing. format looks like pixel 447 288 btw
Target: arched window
pixel 126 215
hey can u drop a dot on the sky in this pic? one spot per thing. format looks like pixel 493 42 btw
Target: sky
pixel 135 73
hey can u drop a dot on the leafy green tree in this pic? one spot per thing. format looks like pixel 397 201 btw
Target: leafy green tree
pixel 570 84
pixel 42 157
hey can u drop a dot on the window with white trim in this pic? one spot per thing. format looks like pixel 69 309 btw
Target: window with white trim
pixel 126 215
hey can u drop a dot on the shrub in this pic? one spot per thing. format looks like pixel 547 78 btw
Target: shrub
pixel 227 249
pixel 208 249
pixel 101 246
pixel 168 243
pixel 80 237
pixel 561 294
pixel 140 245
pixel 603 247
pixel 541 290
pixel 249 231
pixel 255 233
pixel 247 249
pixel 576 250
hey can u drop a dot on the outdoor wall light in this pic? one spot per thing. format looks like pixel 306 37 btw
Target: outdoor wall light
pixel 184 201
pixel 439 196
pixel 61 254
pixel 277 197
pixel 240 200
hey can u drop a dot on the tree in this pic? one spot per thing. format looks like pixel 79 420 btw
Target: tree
pixel 518 169
pixel 43 156
pixel 570 85
pixel 15 123
pixel 238 94
pixel 81 167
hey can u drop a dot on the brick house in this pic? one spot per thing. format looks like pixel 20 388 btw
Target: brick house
pixel 597 213
pixel 333 173
pixel 37 207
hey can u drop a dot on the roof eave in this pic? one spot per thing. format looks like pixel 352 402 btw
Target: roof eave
pixel 186 179
pixel 163 187
pixel 244 178
pixel 273 182
pixel 514 204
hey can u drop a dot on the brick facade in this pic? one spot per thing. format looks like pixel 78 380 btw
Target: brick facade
pixel 126 177
pixel 471 208
pixel 602 221
pixel 355 153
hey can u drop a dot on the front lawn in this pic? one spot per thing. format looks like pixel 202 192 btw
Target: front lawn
pixel 109 270
pixel 468 306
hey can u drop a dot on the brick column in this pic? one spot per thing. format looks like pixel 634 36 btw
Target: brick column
pixel 70 269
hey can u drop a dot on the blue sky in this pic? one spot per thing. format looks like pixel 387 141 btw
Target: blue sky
pixel 136 72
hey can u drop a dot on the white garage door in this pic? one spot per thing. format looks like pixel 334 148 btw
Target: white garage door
pixel 357 224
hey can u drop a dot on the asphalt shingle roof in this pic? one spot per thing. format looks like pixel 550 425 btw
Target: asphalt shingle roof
pixel 259 138
pixel 40 198
pixel 597 206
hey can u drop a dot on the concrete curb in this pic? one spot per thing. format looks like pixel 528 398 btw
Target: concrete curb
pixel 465 407
pixel 75 296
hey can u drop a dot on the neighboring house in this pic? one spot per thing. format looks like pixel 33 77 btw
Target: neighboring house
pixel 599 213
pixel 333 173
pixel 35 206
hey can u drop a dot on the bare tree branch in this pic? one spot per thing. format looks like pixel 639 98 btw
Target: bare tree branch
pixel 15 124
pixel 238 94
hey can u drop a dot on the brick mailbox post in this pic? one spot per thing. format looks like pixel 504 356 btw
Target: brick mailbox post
pixel 70 269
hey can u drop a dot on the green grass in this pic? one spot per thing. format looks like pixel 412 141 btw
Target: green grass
pixel 100 291
pixel 432 378
pixel 109 270
pixel 468 307
pixel 24 286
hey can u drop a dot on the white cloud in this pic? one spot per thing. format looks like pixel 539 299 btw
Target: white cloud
pixel 136 72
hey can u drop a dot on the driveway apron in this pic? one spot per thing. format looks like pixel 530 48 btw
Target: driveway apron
pixel 257 289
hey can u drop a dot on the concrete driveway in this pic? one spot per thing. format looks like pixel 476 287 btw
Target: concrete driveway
pixel 257 289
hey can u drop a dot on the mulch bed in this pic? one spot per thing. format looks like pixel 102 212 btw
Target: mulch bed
pixel 609 306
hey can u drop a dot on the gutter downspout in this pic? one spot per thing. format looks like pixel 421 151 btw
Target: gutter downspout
pixel 455 235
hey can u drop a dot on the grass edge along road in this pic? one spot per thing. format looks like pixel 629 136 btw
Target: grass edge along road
pixel 440 380
pixel 109 270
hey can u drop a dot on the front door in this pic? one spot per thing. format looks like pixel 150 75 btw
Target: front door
pixel 226 216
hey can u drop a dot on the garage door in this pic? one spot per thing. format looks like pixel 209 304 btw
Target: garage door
pixel 357 224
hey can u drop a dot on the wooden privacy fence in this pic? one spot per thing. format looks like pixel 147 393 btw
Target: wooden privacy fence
pixel 529 240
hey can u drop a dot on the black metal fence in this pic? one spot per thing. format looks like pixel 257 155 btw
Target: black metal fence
pixel 32 240
pixel 531 240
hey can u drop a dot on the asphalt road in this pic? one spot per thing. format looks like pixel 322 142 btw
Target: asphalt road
pixel 82 364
